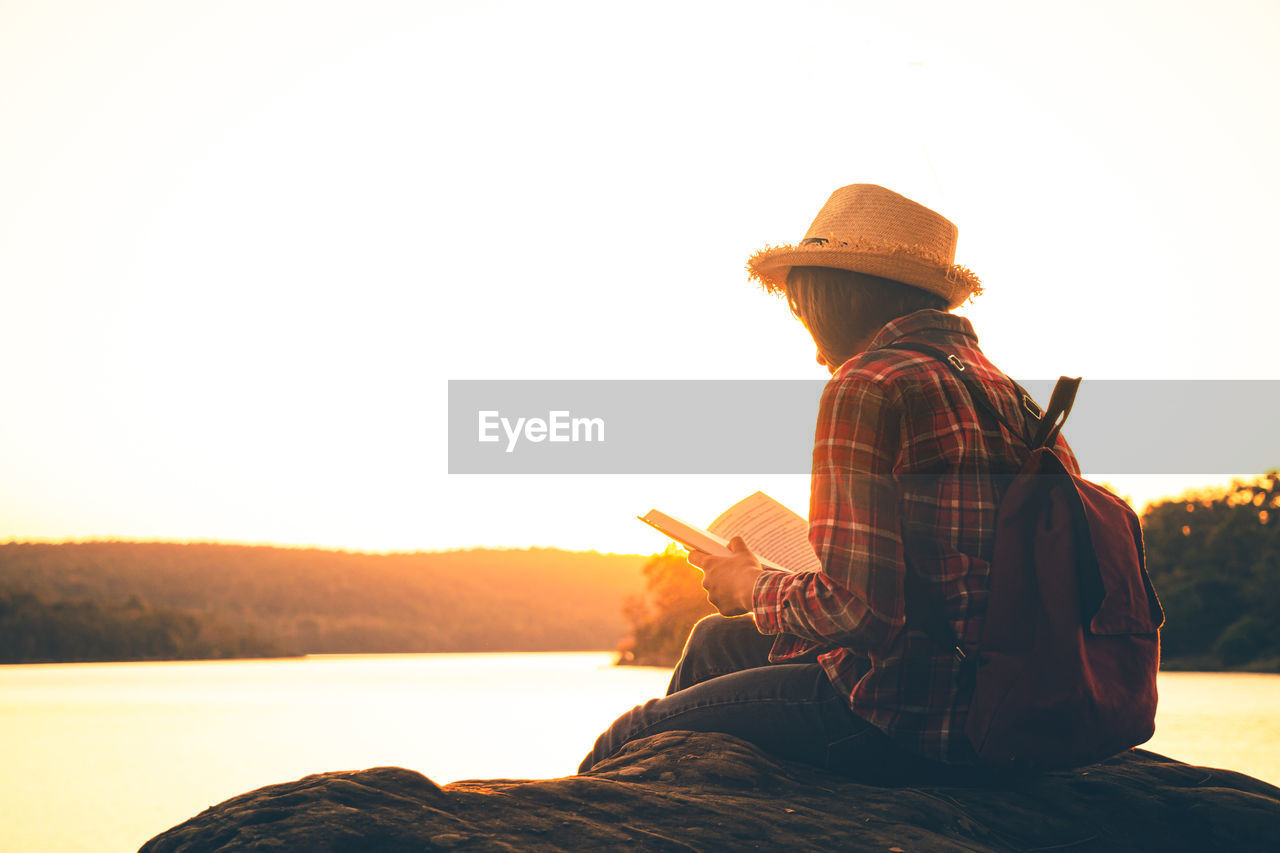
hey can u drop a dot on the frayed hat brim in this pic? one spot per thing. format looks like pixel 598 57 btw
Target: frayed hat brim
pixel 912 265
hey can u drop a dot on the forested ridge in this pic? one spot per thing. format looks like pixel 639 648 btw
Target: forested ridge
pixel 158 600
pixel 1213 557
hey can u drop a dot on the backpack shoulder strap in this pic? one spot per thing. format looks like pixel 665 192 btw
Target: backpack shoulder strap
pixel 1060 403
pixel 1040 428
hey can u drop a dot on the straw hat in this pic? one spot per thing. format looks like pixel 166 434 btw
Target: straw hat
pixel 869 229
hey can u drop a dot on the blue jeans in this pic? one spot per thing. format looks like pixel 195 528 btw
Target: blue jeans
pixel 725 683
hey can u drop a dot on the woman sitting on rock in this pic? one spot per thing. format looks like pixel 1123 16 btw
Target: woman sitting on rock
pixel 843 667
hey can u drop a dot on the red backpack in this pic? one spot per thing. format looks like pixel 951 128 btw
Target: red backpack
pixel 1064 673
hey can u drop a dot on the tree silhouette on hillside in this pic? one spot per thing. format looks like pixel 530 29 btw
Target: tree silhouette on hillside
pixel 660 620
pixel 1214 558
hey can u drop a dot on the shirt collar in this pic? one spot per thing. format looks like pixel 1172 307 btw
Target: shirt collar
pixel 921 321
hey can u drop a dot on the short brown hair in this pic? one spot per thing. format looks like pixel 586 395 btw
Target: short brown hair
pixel 841 308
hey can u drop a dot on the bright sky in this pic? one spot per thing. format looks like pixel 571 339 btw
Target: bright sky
pixel 244 245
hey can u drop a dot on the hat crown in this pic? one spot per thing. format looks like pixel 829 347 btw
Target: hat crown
pixel 868 229
pixel 869 213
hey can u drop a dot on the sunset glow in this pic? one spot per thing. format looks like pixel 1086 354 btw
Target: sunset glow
pixel 244 246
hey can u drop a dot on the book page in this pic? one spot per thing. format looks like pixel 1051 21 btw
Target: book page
pixel 771 530
pixel 696 539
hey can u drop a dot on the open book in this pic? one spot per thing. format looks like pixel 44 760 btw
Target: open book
pixel 775 534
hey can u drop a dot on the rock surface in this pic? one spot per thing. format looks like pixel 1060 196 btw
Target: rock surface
pixel 686 791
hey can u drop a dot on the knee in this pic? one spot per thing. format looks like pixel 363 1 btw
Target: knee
pixel 717 635
pixel 717 626
pixel 702 644
pixel 716 646
pixel 710 628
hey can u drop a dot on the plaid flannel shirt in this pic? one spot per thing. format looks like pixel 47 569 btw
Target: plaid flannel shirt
pixel 905 485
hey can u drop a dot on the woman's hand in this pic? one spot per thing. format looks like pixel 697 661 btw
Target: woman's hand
pixel 729 581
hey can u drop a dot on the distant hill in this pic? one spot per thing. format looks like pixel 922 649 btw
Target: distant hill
pixel 247 599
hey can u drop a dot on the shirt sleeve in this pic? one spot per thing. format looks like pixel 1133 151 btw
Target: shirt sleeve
pixel 856 601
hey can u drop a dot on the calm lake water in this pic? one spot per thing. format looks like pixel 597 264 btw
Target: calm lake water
pixel 100 757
